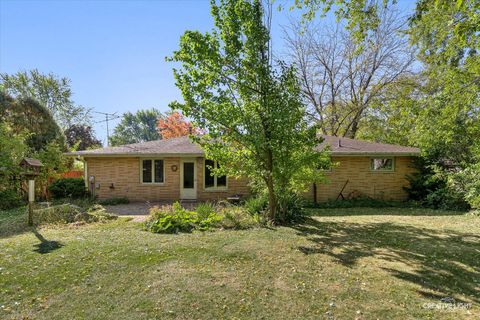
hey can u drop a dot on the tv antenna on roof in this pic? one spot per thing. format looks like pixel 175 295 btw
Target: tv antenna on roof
pixel 108 117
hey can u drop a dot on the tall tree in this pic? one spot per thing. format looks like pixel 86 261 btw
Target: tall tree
pixel 250 110
pixel 82 137
pixel 447 34
pixel 27 116
pixel 341 77
pixel 174 125
pixel 49 90
pixel 136 127
pixel 437 110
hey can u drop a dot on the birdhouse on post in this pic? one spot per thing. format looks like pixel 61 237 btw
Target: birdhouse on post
pixel 30 169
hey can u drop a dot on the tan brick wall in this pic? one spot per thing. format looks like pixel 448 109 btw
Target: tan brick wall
pixel 124 173
pixel 375 184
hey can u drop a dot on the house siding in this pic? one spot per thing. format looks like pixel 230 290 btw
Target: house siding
pixel 124 174
pixel 363 181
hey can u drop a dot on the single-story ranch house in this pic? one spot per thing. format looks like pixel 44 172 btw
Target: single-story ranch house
pixel 176 169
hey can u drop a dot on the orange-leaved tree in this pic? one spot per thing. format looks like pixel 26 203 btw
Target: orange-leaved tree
pixel 174 125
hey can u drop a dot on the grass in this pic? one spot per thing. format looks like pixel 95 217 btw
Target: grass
pixel 342 263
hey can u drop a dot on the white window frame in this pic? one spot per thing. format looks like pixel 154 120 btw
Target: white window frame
pixel 214 188
pixel 153 171
pixel 382 170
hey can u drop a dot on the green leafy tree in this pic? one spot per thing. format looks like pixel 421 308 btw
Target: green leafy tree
pixel 54 162
pixel 50 91
pixel 81 137
pixel 250 110
pixel 136 127
pixel 361 15
pixel 447 34
pixel 26 115
pixel 12 150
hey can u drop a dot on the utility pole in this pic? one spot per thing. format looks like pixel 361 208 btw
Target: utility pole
pixel 108 117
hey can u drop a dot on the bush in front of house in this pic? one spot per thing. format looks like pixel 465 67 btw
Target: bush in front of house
pixel 114 201
pixel 257 204
pixel 430 188
pixel 237 217
pixel 68 188
pixel 171 219
pixel 174 218
pixel 10 198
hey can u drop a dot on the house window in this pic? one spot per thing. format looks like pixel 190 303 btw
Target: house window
pixel 152 171
pixel 213 181
pixel 382 164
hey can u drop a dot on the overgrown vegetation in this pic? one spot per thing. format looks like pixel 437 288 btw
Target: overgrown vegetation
pixel 174 218
pixel 68 213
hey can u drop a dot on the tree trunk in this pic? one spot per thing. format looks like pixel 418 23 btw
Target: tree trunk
pixel 272 201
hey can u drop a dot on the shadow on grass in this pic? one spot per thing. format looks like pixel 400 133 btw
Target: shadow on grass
pixel 442 263
pixel 387 211
pixel 45 246
pixel 13 222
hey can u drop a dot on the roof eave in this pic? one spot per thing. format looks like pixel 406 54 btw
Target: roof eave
pixel 132 155
pixel 375 154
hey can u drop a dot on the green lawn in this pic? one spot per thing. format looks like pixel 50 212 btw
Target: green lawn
pixel 342 264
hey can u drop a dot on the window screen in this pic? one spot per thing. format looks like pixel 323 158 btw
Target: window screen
pixel 147 171
pixel 385 164
pixel 158 171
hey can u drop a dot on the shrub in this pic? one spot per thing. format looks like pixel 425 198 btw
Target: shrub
pixel 237 217
pixel 68 188
pixel 429 186
pixel 291 207
pixel 171 219
pixel 207 217
pixel 9 199
pixel 174 218
pixel 114 201
pixel 257 204
pixel 467 182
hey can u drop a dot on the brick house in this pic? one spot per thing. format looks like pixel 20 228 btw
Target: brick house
pixel 176 169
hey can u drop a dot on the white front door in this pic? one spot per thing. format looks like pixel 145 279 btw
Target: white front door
pixel 188 179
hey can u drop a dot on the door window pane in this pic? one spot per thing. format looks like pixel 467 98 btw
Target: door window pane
pixel 188 175
pixel 209 179
pixel 158 171
pixel 147 170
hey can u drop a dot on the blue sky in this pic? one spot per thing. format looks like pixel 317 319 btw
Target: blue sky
pixel 113 51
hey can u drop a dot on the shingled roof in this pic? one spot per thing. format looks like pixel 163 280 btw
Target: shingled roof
pixel 183 146
pixel 346 146
pixel 171 147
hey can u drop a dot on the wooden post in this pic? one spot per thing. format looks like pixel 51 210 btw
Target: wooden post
pixel 31 199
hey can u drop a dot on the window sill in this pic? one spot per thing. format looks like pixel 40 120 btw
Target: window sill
pixel 152 183
pixel 215 189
